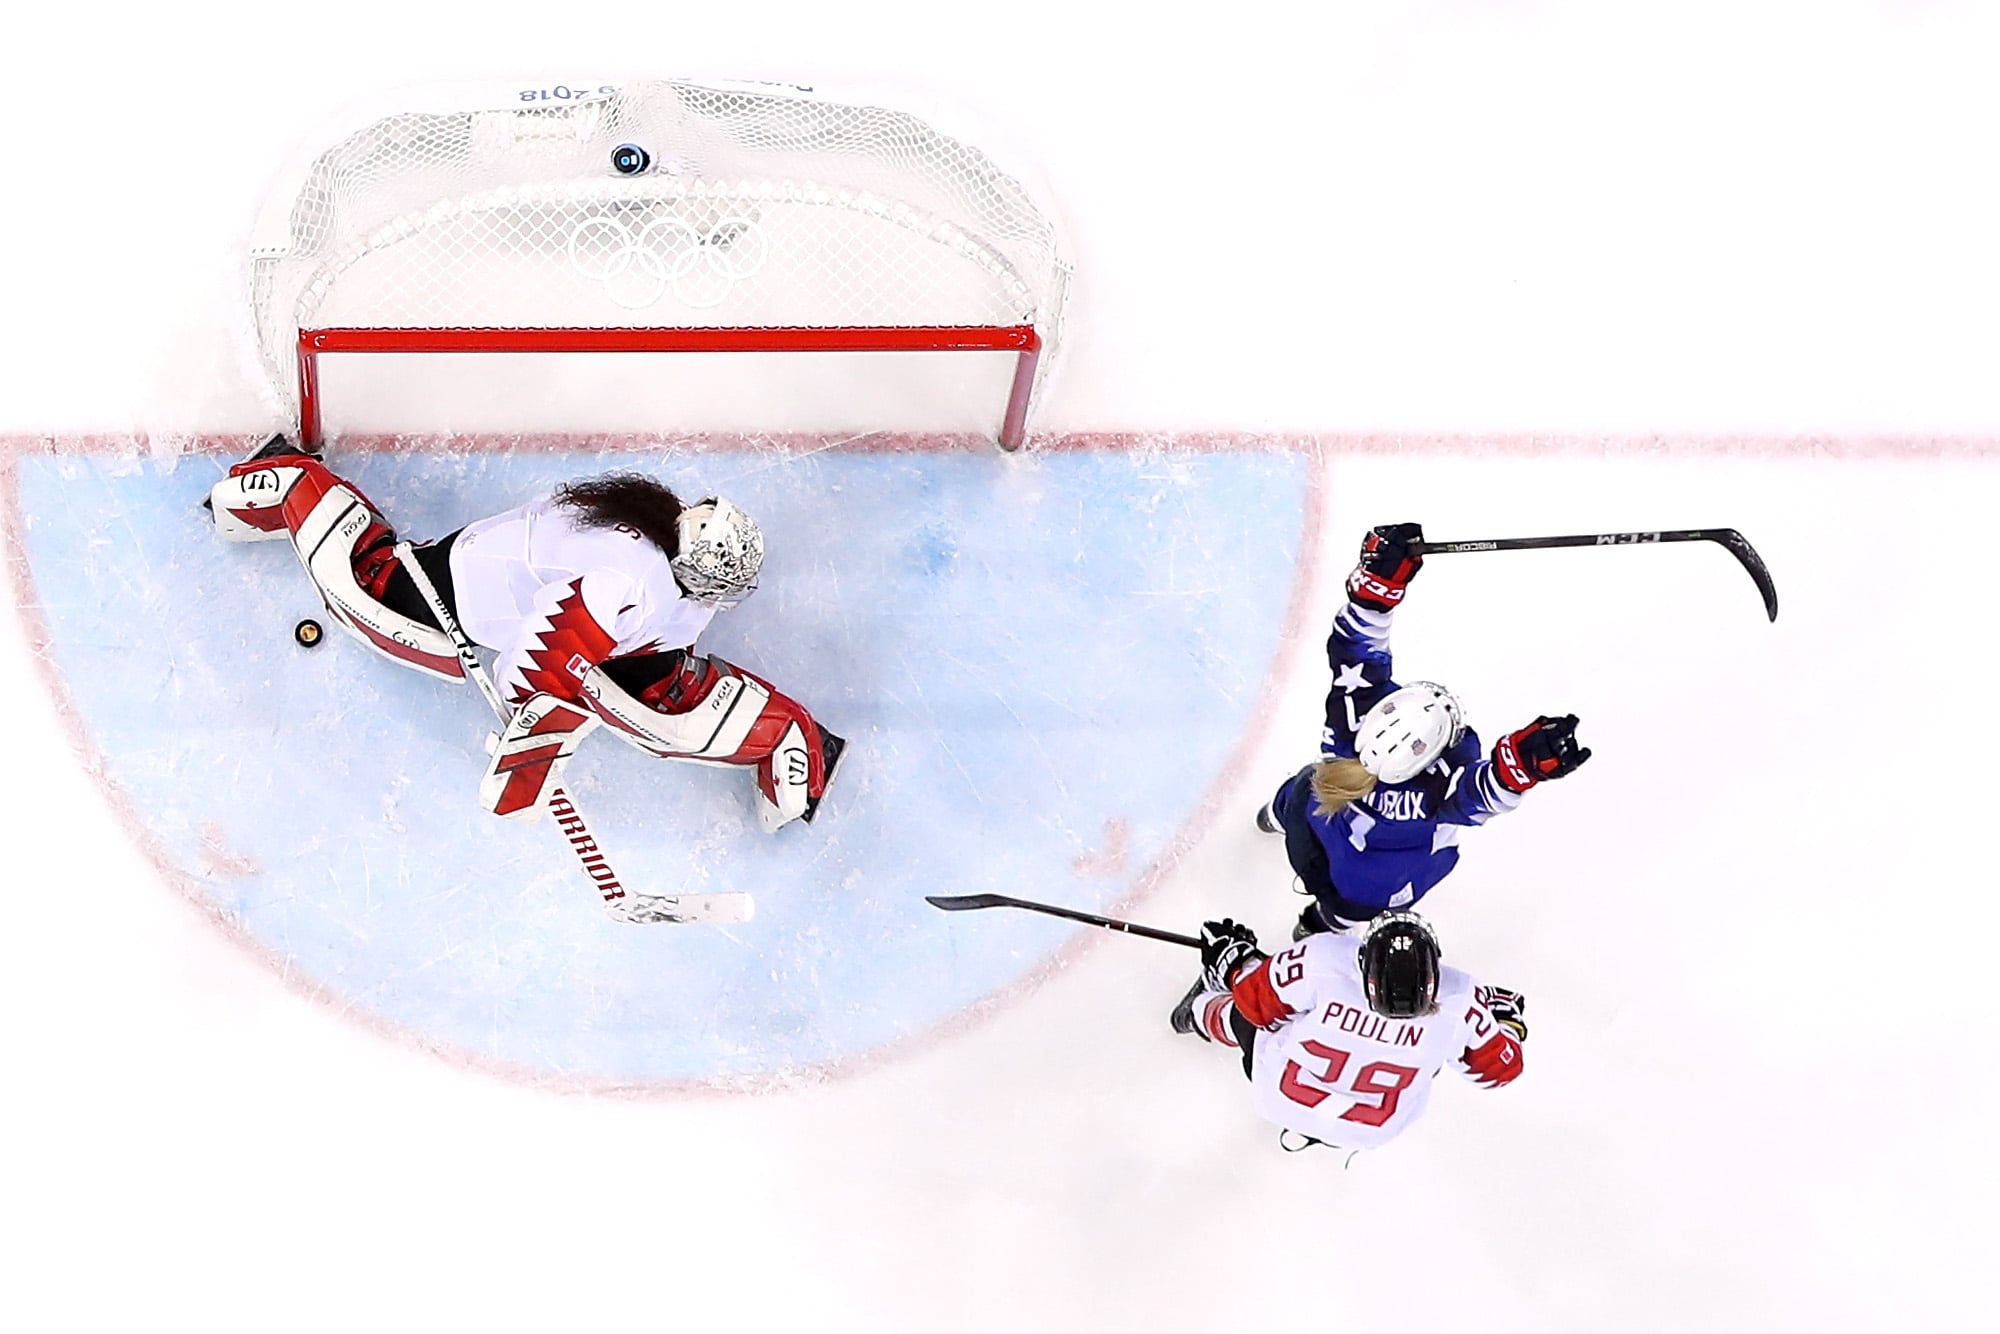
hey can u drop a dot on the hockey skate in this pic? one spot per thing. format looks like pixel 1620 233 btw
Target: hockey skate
pixel 280 446
pixel 1183 1016
pixel 831 749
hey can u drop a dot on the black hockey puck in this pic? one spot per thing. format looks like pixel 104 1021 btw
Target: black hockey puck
pixel 308 633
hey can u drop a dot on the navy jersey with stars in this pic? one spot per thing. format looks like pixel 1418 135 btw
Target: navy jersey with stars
pixel 1387 849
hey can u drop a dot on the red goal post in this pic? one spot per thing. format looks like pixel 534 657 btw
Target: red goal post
pixel 767 219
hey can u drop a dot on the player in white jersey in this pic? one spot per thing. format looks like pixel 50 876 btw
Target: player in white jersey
pixel 1341 1035
pixel 591 598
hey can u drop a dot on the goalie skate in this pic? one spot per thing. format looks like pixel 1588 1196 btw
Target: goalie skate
pixel 832 748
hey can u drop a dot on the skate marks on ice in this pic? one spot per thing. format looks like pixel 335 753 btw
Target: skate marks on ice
pixel 1044 663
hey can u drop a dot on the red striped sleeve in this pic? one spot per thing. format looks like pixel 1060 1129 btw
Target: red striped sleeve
pixel 1495 1062
pixel 1256 999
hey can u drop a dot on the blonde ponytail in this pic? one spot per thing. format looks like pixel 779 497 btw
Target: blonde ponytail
pixel 1337 782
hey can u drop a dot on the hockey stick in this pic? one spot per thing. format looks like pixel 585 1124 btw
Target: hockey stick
pixel 1745 554
pixel 562 807
pixel 968 902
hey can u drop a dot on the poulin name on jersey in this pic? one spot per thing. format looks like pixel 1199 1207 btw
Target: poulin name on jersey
pixel 1371 1026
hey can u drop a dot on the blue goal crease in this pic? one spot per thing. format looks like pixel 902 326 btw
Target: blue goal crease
pixel 1018 668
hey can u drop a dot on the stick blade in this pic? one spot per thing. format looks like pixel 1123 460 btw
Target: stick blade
pixel 718 909
pixel 967 902
pixel 688 909
pixel 1746 555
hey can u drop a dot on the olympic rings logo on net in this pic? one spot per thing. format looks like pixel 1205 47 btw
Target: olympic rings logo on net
pixel 639 265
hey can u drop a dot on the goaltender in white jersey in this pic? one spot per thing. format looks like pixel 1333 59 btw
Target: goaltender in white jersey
pixel 515 572
pixel 1341 1035
pixel 591 599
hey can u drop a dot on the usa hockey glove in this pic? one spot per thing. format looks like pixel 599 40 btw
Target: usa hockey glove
pixel 1507 1007
pixel 1386 567
pixel 1227 948
pixel 1545 748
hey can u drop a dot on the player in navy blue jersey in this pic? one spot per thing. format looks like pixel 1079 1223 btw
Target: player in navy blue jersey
pixel 1374 824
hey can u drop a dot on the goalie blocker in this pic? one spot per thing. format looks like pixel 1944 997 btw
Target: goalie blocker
pixel 676 704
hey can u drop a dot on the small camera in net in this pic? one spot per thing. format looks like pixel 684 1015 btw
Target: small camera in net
pixel 630 159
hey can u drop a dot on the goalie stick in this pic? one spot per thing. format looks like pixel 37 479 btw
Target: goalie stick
pixel 968 902
pixel 561 806
pixel 1729 538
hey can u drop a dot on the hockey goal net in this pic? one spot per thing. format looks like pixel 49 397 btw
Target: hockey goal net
pixel 764 219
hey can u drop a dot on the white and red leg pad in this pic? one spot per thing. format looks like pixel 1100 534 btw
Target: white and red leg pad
pixel 248 504
pixel 708 709
pixel 703 710
pixel 336 533
pixel 791 774
pixel 529 757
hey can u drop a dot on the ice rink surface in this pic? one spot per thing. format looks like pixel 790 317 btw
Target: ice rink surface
pixel 1506 269
pixel 1031 699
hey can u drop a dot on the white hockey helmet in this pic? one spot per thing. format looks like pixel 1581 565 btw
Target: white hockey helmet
pixel 721 550
pixel 1408 731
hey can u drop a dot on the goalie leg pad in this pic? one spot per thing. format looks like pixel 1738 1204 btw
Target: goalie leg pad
pixel 341 540
pixel 701 708
pixel 797 773
pixel 694 708
pixel 346 547
pixel 255 502
pixel 249 505
pixel 529 756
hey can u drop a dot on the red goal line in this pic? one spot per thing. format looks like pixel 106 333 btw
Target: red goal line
pixel 1021 339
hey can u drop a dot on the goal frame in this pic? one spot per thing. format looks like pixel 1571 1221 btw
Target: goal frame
pixel 886 232
pixel 1024 340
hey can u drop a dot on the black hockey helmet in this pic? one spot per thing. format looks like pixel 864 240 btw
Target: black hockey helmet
pixel 1399 966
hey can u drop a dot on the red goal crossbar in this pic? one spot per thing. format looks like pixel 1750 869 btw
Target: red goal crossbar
pixel 1019 338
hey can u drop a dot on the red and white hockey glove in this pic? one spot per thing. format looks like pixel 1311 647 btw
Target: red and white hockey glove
pixel 1545 748
pixel 1507 1007
pixel 1387 565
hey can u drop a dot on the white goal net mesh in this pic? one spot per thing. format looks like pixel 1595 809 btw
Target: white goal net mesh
pixel 762 206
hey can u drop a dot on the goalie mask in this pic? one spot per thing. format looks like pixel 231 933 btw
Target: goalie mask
pixel 1399 966
pixel 1408 731
pixel 721 550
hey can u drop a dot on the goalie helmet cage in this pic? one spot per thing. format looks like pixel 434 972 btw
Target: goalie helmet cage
pixel 767 219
